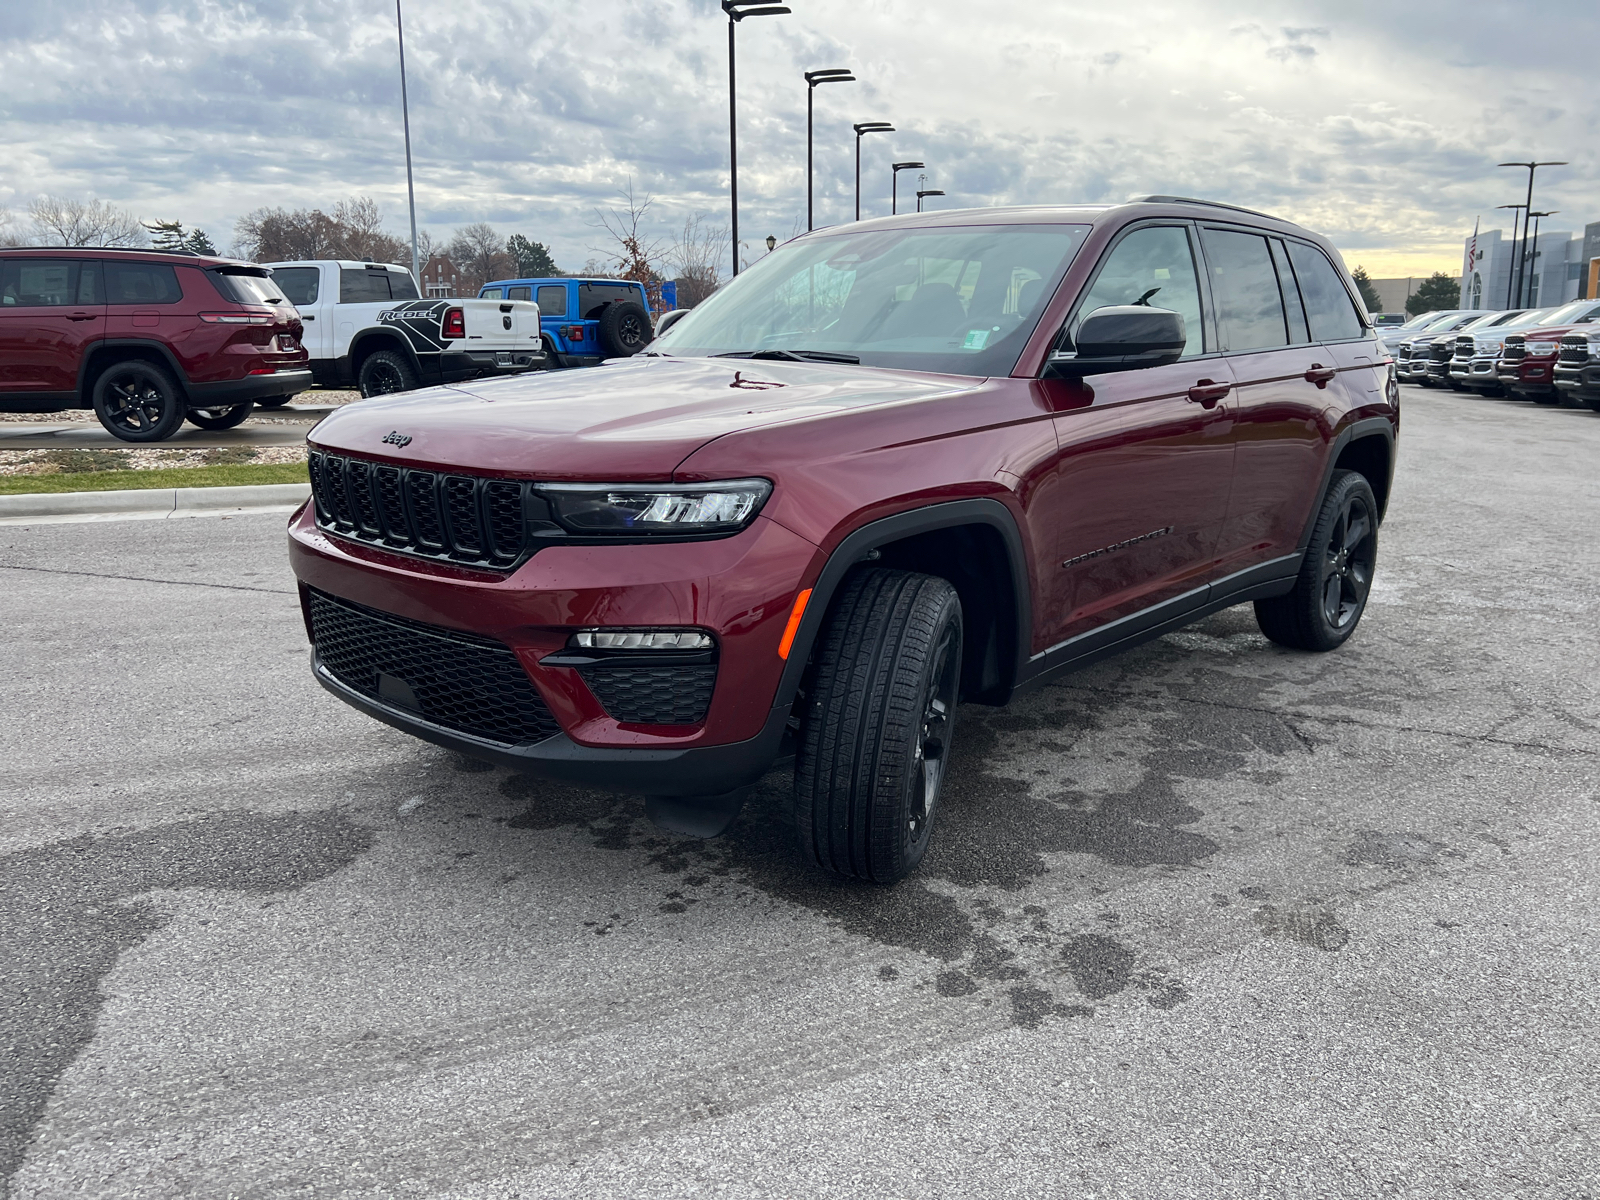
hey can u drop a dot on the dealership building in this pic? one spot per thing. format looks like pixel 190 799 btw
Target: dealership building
pixel 1563 266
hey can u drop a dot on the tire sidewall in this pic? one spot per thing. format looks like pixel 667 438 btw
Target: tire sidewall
pixel 385 358
pixel 1346 484
pixel 173 408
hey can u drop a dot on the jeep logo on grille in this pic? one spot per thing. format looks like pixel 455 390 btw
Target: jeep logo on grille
pixel 395 438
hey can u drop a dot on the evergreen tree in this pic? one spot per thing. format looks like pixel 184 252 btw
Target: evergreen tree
pixel 199 242
pixel 1369 294
pixel 1438 292
pixel 166 235
pixel 532 258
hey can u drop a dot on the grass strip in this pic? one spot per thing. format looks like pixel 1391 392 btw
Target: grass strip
pixel 165 477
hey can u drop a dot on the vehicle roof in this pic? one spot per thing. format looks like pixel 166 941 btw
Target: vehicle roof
pixel 353 264
pixel 1073 214
pixel 548 279
pixel 188 256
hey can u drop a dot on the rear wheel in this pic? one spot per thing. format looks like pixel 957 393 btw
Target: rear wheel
pixel 137 401
pixel 220 418
pixel 384 372
pixel 1330 593
pixel 879 714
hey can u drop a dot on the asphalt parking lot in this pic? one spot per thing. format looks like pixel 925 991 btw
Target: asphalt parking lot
pixel 1213 919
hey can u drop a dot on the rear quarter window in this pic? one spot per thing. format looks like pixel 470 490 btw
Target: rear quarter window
pixel 141 283
pixel 363 287
pixel 1328 305
pixel 249 287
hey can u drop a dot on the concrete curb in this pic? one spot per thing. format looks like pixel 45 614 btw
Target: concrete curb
pixel 145 504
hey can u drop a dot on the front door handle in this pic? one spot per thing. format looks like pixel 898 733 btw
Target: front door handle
pixel 1207 392
pixel 304 317
pixel 84 317
pixel 1320 375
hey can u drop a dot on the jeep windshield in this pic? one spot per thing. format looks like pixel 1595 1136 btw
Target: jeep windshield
pixel 959 300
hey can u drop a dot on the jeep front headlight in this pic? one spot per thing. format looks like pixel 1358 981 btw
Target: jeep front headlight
pixel 655 509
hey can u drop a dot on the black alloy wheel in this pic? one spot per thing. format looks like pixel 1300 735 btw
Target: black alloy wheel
pixel 220 418
pixel 385 372
pixel 877 724
pixel 624 328
pixel 1335 579
pixel 138 402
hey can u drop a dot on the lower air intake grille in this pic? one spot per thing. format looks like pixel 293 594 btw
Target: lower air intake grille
pixel 653 695
pixel 471 684
pixel 462 519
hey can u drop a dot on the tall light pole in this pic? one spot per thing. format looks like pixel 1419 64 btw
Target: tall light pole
pixel 894 187
pixel 813 78
pixel 926 192
pixel 866 127
pixel 405 120
pixel 737 11
pixel 1511 267
pixel 1533 261
pixel 1522 259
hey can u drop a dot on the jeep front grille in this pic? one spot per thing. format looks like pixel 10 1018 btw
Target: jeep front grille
pixel 462 681
pixel 461 519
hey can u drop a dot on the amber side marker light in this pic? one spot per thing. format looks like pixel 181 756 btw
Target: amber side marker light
pixel 793 627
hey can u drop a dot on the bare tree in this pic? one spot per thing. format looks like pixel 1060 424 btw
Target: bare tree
pixel 58 221
pixel 354 231
pixel 697 258
pixel 480 254
pixel 633 254
pixel 8 232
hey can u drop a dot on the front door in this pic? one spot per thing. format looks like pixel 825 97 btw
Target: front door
pixel 1146 456
pixel 51 309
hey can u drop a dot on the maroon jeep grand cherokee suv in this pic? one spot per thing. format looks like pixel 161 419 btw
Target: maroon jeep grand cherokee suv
pixel 890 467
pixel 145 338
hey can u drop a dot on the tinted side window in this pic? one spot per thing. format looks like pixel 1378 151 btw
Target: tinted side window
pixel 552 301
pixel 1244 288
pixel 1299 332
pixel 1328 305
pixel 299 285
pixel 1154 266
pixel 592 295
pixel 519 293
pixel 141 283
pixel 38 282
pixel 362 287
pixel 492 294
pixel 402 286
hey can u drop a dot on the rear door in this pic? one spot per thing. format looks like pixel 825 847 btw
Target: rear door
pixel 1146 455
pixel 51 309
pixel 1282 379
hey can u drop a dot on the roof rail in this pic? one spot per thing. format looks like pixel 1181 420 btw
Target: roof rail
pixel 120 250
pixel 1208 203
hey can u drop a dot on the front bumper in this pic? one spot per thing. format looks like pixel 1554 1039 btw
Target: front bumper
pixel 456 365
pixel 1477 373
pixel 741 588
pixel 1528 376
pixel 1581 382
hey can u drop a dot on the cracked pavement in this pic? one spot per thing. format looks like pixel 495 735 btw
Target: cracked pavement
pixel 1211 919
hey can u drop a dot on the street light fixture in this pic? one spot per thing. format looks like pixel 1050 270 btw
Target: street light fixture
pixel 1533 260
pixel 405 119
pixel 1522 258
pixel 737 11
pixel 866 127
pixel 894 189
pixel 813 79
pixel 1511 268
pixel 772 243
pixel 927 192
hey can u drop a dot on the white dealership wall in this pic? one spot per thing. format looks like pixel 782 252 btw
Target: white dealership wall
pixel 1555 273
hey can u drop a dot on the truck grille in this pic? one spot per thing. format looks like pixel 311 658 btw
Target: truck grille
pixel 1402 352
pixel 1515 349
pixel 471 684
pixel 1440 351
pixel 462 519
pixel 1463 348
pixel 665 695
pixel 1574 350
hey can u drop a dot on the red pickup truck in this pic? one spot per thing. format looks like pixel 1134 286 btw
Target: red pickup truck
pixel 894 466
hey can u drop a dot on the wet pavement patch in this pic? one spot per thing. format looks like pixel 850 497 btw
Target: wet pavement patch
pixel 67 910
pixel 1100 966
pixel 1318 928
pixel 1392 851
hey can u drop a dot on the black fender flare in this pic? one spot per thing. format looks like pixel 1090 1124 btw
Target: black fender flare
pixel 856 547
pixel 387 339
pixel 1367 427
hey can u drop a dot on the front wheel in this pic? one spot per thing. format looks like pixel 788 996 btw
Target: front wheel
pixel 384 372
pixel 1330 593
pixel 220 418
pixel 878 719
pixel 138 402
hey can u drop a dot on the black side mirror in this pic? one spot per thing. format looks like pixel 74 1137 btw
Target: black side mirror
pixel 669 319
pixel 1122 337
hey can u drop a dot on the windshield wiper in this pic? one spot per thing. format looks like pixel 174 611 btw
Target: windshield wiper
pixel 792 355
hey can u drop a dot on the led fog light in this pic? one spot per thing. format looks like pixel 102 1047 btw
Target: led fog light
pixel 641 639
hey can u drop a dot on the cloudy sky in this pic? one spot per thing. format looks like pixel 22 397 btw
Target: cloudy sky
pixel 1379 124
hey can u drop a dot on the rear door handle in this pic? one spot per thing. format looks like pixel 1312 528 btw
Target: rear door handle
pixel 84 317
pixel 1320 375
pixel 1206 393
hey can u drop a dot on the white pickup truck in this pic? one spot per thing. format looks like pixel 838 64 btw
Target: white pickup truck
pixel 365 325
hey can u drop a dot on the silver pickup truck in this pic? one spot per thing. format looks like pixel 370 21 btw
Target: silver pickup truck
pixel 365 325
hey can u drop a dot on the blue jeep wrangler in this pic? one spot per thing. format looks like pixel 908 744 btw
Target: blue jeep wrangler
pixel 584 321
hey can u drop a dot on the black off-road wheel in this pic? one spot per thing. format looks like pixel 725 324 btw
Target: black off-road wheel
pixel 624 329
pixel 220 418
pixel 384 372
pixel 1335 579
pixel 877 723
pixel 137 401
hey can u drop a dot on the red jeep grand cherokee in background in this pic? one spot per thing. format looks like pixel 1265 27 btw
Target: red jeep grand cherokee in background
pixel 145 338
pixel 892 466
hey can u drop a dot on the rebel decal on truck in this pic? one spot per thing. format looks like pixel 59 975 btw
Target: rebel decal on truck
pixel 420 323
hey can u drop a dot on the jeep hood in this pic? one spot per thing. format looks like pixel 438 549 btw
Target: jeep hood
pixel 634 418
